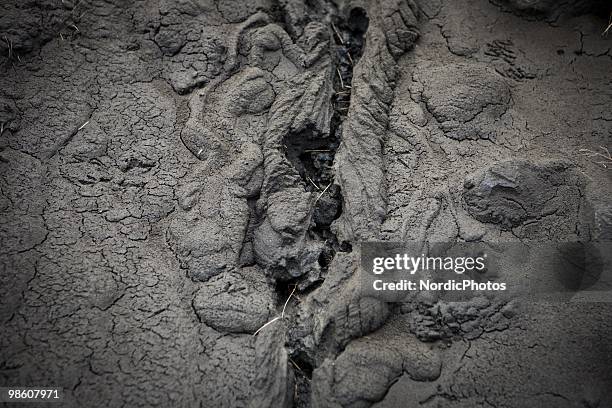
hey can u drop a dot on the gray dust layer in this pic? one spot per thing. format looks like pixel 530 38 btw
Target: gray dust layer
pixel 176 175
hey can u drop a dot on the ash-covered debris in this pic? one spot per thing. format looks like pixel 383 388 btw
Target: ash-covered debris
pixel 184 187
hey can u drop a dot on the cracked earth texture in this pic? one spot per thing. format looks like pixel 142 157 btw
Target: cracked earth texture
pixel 176 174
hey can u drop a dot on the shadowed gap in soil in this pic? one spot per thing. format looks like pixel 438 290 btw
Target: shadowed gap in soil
pixel 313 156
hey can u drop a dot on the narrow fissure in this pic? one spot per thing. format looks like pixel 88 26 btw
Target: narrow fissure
pixel 313 156
pixel 303 378
pixel 247 257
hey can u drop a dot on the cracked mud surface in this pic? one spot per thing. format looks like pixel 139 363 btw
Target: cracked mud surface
pixel 175 175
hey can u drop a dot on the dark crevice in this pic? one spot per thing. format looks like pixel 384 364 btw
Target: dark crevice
pixel 313 154
pixel 349 41
pixel 303 377
pixel 247 257
pixel 349 44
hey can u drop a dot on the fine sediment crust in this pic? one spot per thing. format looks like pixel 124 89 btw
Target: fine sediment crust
pixel 185 188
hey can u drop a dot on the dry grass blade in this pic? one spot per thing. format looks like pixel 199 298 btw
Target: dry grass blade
pixel 609 26
pixel 337 34
pixel 313 183
pixel 295 364
pixel 282 315
pixel 83 125
pixel 287 301
pixel 340 76
pixel 9 44
pixel 323 192
pixel 270 322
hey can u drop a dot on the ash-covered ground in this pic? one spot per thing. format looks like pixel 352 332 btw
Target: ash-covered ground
pixel 176 174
